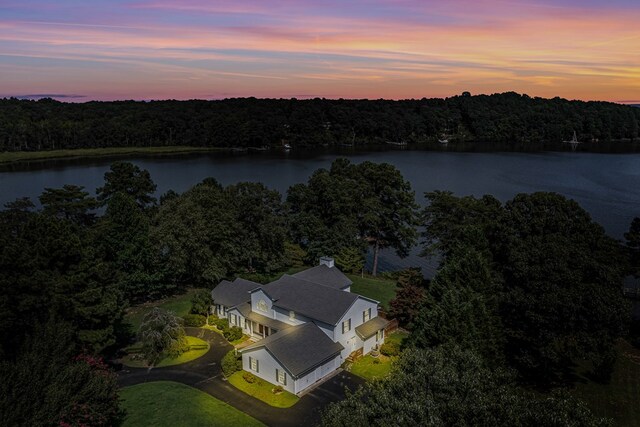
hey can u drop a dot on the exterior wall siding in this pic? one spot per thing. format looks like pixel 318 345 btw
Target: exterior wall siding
pixel 258 296
pixel 317 374
pixel 349 339
pixel 240 320
pixel 267 366
pixel 283 316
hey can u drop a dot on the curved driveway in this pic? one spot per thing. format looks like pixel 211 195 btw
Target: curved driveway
pixel 205 374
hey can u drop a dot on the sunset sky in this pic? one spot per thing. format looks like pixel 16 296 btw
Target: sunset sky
pixel 82 50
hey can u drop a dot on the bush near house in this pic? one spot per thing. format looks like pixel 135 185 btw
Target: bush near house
pixel 390 349
pixel 248 377
pixel 196 320
pixel 231 363
pixel 221 323
pixel 232 334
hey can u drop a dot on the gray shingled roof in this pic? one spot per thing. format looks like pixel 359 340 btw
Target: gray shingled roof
pixel 327 276
pixel 233 293
pixel 318 302
pixel 300 348
pixel 244 308
pixel 267 321
pixel 370 327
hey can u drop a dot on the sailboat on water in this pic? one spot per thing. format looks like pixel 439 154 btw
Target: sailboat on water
pixel 574 141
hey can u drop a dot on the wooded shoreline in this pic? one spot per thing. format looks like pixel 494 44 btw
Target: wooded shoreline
pixel 17 157
pixel 507 121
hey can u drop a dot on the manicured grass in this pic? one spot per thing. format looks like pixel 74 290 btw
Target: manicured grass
pixel 620 398
pixel 170 404
pixel 261 390
pixel 366 367
pixel 179 304
pixel 17 156
pixel 397 337
pixel 383 290
pixel 183 358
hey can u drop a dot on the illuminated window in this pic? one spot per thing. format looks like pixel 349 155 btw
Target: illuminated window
pixel 281 376
pixel 262 306
pixel 380 335
pixel 254 364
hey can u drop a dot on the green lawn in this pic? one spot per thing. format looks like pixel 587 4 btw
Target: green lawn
pixel 383 290
pixel 17 156
pixel 366 367
pixel 179 304
pixel 261 390
pixel 397 337
pixel 170 404
pixel 620 399
pixel 183 358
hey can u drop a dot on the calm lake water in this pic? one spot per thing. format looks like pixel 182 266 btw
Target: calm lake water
pixel 606 185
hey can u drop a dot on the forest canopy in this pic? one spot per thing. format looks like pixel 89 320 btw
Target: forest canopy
pixel 507 118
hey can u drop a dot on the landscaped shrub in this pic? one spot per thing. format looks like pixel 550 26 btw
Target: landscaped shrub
pixel 390 349
pixel 222 323
pixel 194 320
pixel 277 389
pixel 231 363
pixel 250 378
pixel 376 361
pixel 134 350
pixel 197 347
pixel 232 334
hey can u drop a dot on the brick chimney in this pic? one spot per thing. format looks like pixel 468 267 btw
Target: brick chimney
pixel 328 261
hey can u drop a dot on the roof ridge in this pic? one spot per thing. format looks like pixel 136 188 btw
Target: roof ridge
pixel 277 336
pixel 310 282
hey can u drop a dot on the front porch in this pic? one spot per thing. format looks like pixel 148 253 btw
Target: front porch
pixel 260 326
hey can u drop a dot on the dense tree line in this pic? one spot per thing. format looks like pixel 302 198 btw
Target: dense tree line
pixel 525 291
pixel 449 386
pixel 507 118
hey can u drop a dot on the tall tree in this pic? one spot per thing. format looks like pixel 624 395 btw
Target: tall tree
pixel 48 270
pixel 261 232
pixel 129 179
pixel 122 240
pixel 461 307
pixel 447 386
pixel 70 202
pixel 388 205
pixel 409 297
pixel 161 334
pixel 450 222
pixel 351 206
pixel 633 244
pixel 562 277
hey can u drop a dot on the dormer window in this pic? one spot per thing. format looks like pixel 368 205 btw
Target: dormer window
pixel 262 306
pixel 292 315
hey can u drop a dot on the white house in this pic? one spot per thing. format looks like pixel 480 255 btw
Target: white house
pixel 305 325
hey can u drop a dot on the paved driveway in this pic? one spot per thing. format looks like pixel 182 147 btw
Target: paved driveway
pixel 205 374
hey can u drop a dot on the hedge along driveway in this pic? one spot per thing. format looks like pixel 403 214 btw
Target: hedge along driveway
pixel 199 349
pixel 262 390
